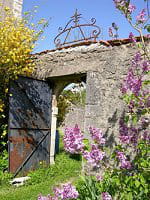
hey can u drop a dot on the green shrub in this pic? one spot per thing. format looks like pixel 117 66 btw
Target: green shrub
pixel 4 161
pixel 87 188
pixel 5 178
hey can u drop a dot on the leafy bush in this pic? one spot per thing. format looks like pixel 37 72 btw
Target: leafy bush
pixel 87 188
pixel 4 161
pixel 68 98
pixel 5 177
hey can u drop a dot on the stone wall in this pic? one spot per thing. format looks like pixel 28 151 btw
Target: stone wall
pixel 14 5
pixel 105 68
pixel 95 57
pixel 17 8
pixel 75 115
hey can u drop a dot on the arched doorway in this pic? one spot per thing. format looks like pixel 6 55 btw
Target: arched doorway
pixel 59 83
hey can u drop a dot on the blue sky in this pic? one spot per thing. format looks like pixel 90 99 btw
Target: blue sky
pixel 59 12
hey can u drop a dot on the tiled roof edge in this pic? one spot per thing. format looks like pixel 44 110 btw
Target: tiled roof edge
pixel 113 42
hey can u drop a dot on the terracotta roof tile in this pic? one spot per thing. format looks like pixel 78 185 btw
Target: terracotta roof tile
pixel 113 42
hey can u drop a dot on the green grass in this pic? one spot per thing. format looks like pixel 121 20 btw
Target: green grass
pixel 43 180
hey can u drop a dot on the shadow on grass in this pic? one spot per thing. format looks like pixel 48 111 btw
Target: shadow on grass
pixel 77 157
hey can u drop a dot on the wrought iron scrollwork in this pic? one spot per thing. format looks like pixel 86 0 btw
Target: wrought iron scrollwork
pixel 73 25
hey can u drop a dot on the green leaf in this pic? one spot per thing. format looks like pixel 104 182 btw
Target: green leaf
pixel 126 119
pixel 140 45
pixel 147 27
pixel 137 183
pixel 134 119
pixel 146 82
pixel 129 196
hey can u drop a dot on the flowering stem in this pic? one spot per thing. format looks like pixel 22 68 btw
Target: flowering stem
pixel 142 38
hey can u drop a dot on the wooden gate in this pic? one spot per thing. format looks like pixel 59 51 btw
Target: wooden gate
pixel 29 124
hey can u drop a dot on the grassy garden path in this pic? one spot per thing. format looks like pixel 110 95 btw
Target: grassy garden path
pixel 44 179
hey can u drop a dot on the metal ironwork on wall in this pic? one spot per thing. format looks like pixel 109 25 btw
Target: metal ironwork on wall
pixel 75 31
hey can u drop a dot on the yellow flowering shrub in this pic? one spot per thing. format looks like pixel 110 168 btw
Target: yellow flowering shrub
pixel 16 45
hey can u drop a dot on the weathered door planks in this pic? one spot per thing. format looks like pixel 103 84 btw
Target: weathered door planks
pixel 30 107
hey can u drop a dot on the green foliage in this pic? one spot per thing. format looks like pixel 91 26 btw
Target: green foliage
pixel 4 161
pixel 87 188
pixel 63 108
pixel 147 27
pixel 76 98
pixel 124 185
pixel 87 144
pixel 5 177
pixel 129 184
pixel 3 133
pixel 68 98
pixel 142 159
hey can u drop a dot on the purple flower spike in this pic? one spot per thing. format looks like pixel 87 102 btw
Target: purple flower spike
pixel 99 178
pixel 106 196
pixel 123 6
pixel 133 82
pixel 141 17
pixel 131 8
pixel 146 65
pixel 132 38
pixel 125 164
pixel 137 57
pixel 146 136
pixel 73 140
pixel 97 135
pixel 94 156
pixel 67 191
